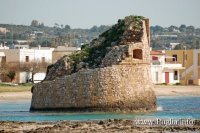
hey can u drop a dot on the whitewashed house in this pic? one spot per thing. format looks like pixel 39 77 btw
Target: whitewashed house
pixel 27 61
pixel 164 69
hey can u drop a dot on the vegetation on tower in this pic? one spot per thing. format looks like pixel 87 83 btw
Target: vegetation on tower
pixel 129 29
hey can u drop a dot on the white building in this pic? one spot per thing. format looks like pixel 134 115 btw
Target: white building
pixel 20 59
pixel 3 47
pixel 164 69
pixel 3 30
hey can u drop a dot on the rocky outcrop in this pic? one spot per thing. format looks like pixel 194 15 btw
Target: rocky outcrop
pixel 60 68
pixel 110 48
pixel 110 74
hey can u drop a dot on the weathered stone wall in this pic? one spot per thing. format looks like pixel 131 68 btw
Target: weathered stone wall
pixel 116 55
pixel 122 52
pixel 117 88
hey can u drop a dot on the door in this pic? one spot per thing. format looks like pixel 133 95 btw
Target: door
pixel 167 77
pixel 156 77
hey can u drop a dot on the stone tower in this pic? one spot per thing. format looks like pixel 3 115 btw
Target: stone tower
pixel 121 82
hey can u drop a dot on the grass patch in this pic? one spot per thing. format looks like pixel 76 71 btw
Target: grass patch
pixel 18 88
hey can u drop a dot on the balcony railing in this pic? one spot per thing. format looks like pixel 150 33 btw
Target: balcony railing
pixel 172 62
pixel 155 62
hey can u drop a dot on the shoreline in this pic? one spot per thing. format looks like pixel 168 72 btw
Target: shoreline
pixel 15 96
pixel 95 126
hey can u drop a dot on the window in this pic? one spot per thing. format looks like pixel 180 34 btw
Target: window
pixel 27 59
pixel 137 54
pixel 154 58
pixel 156 76
pixel 3 60
pixel 198 59
pixel 43 59
pixel 174 57
pixel 175 75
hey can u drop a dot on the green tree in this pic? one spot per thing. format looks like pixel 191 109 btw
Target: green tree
pixel 197 44
pixel 56 25
pixel 34 23
pixel 94 29
pixel 190 29
pixel 172 28
pixel 182 28
pixel 62 26
pixel 67 27
pixel 11 75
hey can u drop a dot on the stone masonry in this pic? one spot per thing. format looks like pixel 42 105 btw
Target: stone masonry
pixel 122 84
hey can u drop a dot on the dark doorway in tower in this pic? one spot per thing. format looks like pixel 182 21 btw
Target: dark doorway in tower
pixel 137 54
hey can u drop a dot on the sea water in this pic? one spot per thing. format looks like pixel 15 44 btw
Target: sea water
pixel 167 107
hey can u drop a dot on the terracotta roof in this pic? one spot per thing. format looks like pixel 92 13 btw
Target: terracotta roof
pixel 156 52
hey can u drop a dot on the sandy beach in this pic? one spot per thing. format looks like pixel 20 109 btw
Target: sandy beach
pixel 15 96
pixel 163 90
pixel 160 90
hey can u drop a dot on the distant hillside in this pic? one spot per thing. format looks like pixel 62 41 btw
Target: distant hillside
pixel 185 35
pixel 50 36
pixel 39 34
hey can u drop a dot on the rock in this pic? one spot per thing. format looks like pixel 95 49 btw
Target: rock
pixel 60 68
pixel 101 122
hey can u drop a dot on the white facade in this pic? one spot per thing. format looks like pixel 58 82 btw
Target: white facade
pixel 26 77
pixel 27 55
pixel 22 56
pixel 39 77
pixel 163 71
pixel 3 30
pixel 3 47
pixel 35 55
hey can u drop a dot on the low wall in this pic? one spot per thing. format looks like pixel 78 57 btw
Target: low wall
pixel 118 88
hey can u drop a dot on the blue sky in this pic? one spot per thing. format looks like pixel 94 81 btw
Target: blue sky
pixel 86 13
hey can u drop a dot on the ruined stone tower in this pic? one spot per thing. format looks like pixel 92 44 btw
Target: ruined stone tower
pixel 110 74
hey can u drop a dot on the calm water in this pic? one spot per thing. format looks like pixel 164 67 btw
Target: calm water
pixel 168 107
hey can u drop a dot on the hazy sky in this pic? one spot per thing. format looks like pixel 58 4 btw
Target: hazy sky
pixel 86 13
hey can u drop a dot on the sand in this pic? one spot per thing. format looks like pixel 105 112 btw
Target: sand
pixel 160 90
pixel 15 96
pixel 163 90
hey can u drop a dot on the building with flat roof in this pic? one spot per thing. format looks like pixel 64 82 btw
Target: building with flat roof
pixel 164 69
pixel 60 51
pixel 191 61
pixel 3 30
pixel 28 64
